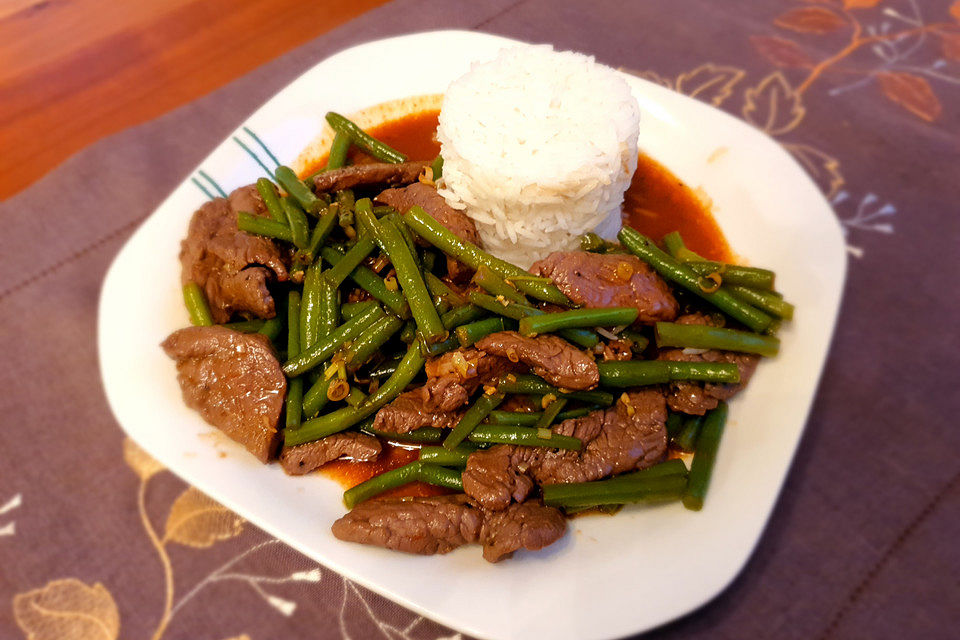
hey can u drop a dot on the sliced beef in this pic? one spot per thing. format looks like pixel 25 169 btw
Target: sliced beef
pixel 530 526
pixel 421 525
pixel 697 398
pixel 309 457
pixel 598 280
pixel 234 380
pixel 630 435
pixel 617 351
pixel 441 524
pixel 419 194
pixel 231 266
pixel 552 358
pixel 368 174
pixel 470 367
pixel 432 405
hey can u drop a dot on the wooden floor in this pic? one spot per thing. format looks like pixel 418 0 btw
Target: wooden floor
pixel 74 71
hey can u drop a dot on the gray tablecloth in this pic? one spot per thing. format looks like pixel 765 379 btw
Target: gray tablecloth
pixel 97 541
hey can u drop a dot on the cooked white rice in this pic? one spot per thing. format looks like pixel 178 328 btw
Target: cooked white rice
pixel 538 148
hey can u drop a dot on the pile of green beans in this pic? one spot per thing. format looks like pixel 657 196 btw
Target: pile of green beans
pixel 365 306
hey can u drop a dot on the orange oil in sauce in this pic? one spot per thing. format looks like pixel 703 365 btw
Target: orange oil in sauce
pixel 656 203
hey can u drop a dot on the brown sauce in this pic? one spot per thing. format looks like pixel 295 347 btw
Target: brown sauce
pixel 656 203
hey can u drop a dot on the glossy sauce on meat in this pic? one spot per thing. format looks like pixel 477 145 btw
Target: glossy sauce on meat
pixel 656 203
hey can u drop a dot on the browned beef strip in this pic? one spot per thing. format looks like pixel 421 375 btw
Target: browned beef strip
pixel 234 380
pixel 530 526
pixel 419 194
pixel 432 405
pixel 422 525
pixel 368 174
pixel 617 351
pixel 609 280
pixel 697 398
pixel 232 267
pixel 309 457
pixel 470 367
pixel 630 435
pixel 552 358
pixel 441 524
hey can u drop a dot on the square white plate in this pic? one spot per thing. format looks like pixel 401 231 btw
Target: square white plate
pixel 610 576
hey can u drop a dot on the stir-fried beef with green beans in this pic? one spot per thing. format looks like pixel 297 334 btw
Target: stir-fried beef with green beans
pixel 337 314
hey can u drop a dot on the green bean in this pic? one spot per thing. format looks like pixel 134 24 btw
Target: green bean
pixel 384 370
pixel 382 210
pixel 686 440
pixel 671 269
pixel 329 307
pixel 310 306
pixel 676 247
pixel 497 286
pixel 530 419
pixel 669 334
pixel 583 337
pixel 365 219
pixel 437 168
pixel 370 341
pixel 575 318
pixel 350 309
pixel 346 417
pixel 456 457
pixel 429 325
pixel 326 223
pixel 409 333
pixel 338 151
pixel 423 435
pixel 197 306
pixel 674 424
pixel 315 399
pixel 355 397
pixel 260 226
pixel 294 400
pixel 297 220
pixel 325 346
pixel 272 327
pixel 467 334
pixel 533 385
pixel 451 320
pixel 522 436
pixel 473 417
pixel 603 492
pixel 404 230
pixel 669 468
pixel 414 472
pixel 365 141
pixel 704 459
pixel 346 200
pixel 336 274
pixel 268 193
pixel 638 341
pixel 592 242
pixel 768 301
pixel 638 373
pixel 372 284
pixel 439 289
pixel 550 413
pixel 297 190
pixel 245 326
pixel 471 255
pixel 731 274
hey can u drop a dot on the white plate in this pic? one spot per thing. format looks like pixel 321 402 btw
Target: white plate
pixel 610 576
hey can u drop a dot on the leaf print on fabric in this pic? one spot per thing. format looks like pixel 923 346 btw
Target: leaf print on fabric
pixel 10 528
pixel 709 82
pixel 650 76
pixel 773 106
pixel 911 92
pixel 955 11
pixel 139 460
pixel 198 521
pixel 241 637
pixel 950 44
pixel 782 52
pixel 817 20
pixel 824 169
pixel 67 610
pixel 860 4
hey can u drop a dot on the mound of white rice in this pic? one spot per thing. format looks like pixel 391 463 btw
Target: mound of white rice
pixel 538 148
